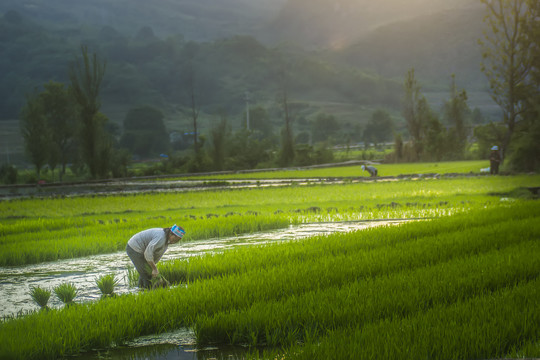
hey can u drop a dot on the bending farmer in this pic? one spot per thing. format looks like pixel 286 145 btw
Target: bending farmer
pixel 148 246
pixel 370 169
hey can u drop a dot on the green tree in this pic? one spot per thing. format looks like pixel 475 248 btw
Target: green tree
pixel 324 127
pixel 413 110
pixel 144 131
pixel 259 123
pixel 286 155
pixel 379 128
pixel 190 72
pixel 456 113
pixel 61 115
pixel 246 152
pixel 398 148
pixel 508 51
pixel 435 143
pixel 86 76
pixel 36 132
pixel 486 136
pixel 524 151
pixel 219 136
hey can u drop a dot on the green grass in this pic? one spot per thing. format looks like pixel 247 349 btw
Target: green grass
pixel 460 286
pixel 37 230
pixel 451 167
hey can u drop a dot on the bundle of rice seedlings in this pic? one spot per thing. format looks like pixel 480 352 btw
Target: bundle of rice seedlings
pixel 66 292
pixel 40 296
pixel 106 284
pixel 159 281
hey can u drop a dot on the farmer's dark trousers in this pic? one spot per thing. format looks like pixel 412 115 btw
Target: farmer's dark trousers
pixel 141 265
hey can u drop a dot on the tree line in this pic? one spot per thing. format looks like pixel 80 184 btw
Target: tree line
pixel 64 124
pixel 511 62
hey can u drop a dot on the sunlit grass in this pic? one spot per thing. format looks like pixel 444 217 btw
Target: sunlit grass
pixel 465 284
pixel 442 168
pixel 36 230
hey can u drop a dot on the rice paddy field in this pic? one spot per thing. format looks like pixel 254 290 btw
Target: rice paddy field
pixel 462 282
pixel 354 171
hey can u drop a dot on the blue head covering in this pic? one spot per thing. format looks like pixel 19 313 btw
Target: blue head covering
pixel 178 231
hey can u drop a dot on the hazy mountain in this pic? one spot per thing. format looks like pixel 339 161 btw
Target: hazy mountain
pixel 338 23
pixel 436 45
pixel 385 37
pixel 196 20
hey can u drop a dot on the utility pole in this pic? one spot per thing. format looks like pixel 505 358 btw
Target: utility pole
pixel 247 109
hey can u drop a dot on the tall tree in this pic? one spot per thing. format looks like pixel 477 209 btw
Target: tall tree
pixel 219 135
pixel 35 131
pixel 191 49
pixel 61 116
pixel 324 127
pixel 524 151
pixel 259 123
pixel 144 131
pixel 416 112
pixel 379 128
pixel 86 76
pixel 286 155
pixel 456 112
pixel 508 56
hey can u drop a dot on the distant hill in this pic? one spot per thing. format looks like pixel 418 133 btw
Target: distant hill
pixel 365 48
pixel 199 20
pixel 436 45
pixel 336 24
pixel 147 69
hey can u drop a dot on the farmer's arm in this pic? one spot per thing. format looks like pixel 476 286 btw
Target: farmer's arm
pixel 154 268
pixel 149 255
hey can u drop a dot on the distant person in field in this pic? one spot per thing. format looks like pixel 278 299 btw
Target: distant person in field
pixel 370 169
pixel 494 160
pixel 147 247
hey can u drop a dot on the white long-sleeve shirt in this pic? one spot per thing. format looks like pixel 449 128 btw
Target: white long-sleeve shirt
pixel 152 243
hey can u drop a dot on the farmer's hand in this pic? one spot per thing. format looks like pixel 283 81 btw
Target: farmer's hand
pixel 155 272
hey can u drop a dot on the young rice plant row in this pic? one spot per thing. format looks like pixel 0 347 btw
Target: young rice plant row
pixel 463 286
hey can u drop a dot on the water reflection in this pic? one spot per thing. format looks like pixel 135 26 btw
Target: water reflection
pixel 16 282
pixel 179 344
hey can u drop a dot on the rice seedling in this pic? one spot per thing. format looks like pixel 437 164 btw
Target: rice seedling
pixel 450 167
pixel 106 284
pixel 481 327
pixel 159 281
pixel 66 292
pixel 474 273
pixel 40 296
pixel 132 277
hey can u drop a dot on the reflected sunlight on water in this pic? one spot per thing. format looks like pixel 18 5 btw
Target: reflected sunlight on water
pixel 16 282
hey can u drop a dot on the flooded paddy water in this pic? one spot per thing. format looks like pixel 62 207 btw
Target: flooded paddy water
pixel 16 282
